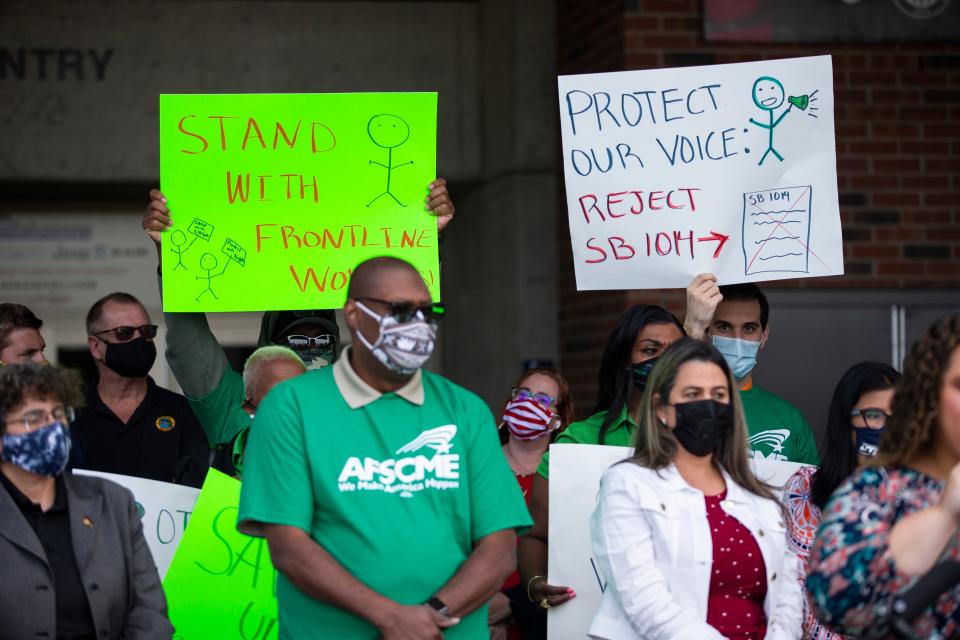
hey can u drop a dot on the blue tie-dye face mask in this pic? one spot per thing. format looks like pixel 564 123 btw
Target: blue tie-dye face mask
pixel 44 451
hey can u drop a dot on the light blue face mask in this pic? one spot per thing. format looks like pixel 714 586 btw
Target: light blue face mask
pixel 741 355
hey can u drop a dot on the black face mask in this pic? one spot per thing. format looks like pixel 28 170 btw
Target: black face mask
pixel 702 425
pixel 131 359
pixel 641 372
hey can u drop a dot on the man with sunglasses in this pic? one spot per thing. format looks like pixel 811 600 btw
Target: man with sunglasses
pixel 381 488
pixel 214 390
pixel 130 425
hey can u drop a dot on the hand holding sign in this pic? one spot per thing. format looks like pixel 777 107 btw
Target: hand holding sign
pixel 703 296
pixel 157 217
pixel 674 172
pixel 439 204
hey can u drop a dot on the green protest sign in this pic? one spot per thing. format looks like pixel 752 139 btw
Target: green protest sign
pixel 275 198
pixel 221 583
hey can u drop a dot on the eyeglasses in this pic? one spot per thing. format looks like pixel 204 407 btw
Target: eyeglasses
pixel 41 417
pixel 323 342
pixel 545 400
pixel 872 416
pixel 407 311
pixel 123 334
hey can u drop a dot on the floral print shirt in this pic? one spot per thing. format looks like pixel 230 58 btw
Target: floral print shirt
pixel 803 518
pixel 852 578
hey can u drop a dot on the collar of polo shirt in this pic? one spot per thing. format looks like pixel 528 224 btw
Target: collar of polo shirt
pixel 358 393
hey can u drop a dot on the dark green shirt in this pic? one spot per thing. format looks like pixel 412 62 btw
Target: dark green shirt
pixel 777 429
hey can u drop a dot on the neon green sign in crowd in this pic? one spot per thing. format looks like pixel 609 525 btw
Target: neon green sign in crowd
pixel 221 583
pixel 277 197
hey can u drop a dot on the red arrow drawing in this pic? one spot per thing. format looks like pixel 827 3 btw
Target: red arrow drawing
pixel 714 238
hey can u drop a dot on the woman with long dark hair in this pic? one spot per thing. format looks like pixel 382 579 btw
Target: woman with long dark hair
pixel 690 542
pixel 898 516
pixel 635 343
pixel 858 415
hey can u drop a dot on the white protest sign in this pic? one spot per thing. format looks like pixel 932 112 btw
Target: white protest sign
pixel 729 169
pixel 164 509
pixel 575 472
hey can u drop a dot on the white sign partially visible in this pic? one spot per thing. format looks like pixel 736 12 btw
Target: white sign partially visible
pixel 65 262
pixel 164 509
pixel 729 169
pixel 575 472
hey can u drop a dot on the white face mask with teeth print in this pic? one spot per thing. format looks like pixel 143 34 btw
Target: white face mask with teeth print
pixel 401 347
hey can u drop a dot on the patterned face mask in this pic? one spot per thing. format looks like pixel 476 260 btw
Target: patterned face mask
pixel 44 451
pixel 640 372
pixel 402 347
pixel 527 419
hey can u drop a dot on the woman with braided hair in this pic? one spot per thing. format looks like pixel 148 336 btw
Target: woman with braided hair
pixel 896 518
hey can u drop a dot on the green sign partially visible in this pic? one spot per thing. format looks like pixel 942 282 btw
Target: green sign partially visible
pixel 221 583
pixel 275 198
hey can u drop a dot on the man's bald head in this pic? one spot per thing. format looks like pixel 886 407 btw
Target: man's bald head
pixel 378 277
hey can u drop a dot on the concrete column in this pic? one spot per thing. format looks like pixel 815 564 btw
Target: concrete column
pixel 499 259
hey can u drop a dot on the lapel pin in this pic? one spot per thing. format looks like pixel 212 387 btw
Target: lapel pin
pixel 88 522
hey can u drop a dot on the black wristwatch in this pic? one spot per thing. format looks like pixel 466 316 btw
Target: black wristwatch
pixel 439 606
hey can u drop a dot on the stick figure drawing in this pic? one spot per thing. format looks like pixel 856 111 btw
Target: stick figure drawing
pixel 208 262
pixel 388 131
pixel 768 94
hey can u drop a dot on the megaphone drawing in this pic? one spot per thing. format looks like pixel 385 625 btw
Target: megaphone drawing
pixel 800 102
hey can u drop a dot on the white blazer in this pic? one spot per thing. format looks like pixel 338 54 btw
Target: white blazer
pixel 652 541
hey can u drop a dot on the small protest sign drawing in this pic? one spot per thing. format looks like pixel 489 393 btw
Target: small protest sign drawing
pixel 201 229
pixel 235 252
pixel 388 131
pixel 208 262
pixel 198 229
pixel 776 230
pixel 769 95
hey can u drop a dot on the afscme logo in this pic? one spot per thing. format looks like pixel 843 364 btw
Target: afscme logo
pixel 441 465
pixel 438 439
pixel 774 438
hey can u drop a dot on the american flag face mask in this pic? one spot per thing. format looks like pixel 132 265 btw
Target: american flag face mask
pixel 528 420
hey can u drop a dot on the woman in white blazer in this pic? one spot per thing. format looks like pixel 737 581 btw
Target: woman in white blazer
pixel 691 544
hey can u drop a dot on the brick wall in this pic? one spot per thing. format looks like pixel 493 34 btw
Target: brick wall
pixel 898 144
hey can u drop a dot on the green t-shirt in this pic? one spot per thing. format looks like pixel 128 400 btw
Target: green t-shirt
pixel 619 434
pixel 397 492
pixel 222 417
pixel 778 431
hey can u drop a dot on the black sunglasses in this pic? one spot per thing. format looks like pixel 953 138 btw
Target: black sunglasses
pixel 123 334
pixel 406 311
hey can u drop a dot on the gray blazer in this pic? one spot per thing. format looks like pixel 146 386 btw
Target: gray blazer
pixel 115 566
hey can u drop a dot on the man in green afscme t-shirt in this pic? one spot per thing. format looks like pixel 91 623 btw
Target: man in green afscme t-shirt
pixel 388 505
